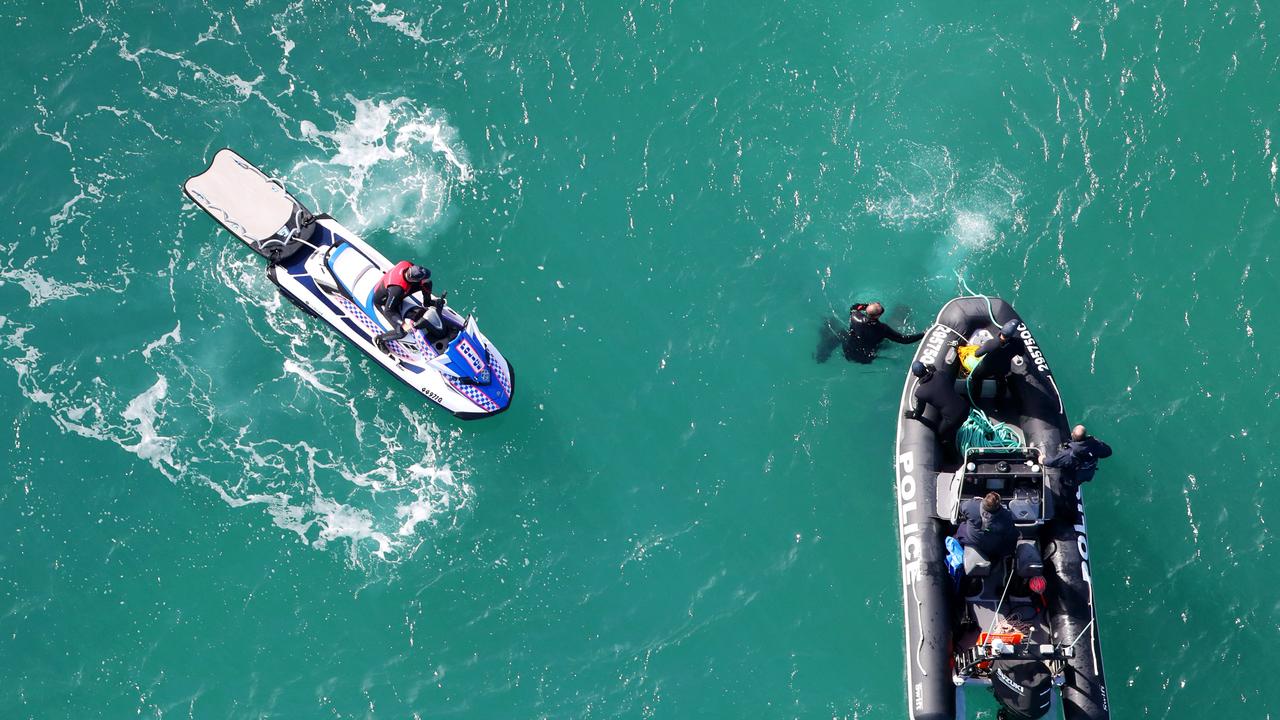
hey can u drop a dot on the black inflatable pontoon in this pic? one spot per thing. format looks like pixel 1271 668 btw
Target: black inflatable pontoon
pixel 987 625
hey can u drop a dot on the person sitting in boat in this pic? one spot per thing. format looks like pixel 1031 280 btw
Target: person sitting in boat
pixel 996 358
pixel 988 526
pixel 952 409
pixel 396 284
pixel 1078 459
pixel 864 335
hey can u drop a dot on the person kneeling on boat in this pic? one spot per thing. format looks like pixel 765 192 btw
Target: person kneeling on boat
pixel 988 526
pixel 929 390
pixel 996 356
pixel 399 282
pixel 1079 458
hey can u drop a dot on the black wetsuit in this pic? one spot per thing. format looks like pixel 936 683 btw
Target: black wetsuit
pixel 996 361
pixel 1079 459
pixel 866 334
pixel 390 300
pixel 991 532
pixel 952 409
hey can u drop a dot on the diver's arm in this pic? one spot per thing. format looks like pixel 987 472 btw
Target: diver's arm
pixel 1101 449
pixel 898 337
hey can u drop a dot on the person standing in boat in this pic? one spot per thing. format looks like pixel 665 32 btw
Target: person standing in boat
pixel 1078 459
pixel 996 358
pixel 861 341
pixel 988 526
pixel 398 283
pixel 952 409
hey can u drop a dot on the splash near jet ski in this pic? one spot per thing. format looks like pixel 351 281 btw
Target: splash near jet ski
pixel 330 273
pixel 995 563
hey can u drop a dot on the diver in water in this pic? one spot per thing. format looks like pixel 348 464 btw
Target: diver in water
pixel 861 341
pixel 1079 458
pixel 399 282
pixel 931 390
pixel 996 357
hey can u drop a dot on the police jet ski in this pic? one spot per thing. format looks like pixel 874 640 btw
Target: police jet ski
pixel 1022 625
pixel 328 272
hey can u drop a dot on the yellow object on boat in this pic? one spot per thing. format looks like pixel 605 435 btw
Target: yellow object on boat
pixel 968 361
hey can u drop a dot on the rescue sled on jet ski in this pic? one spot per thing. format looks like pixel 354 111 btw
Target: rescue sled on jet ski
pixel 330 273
pixel 1021 623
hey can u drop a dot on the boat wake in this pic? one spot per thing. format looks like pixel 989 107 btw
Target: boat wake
pixel 289 439
pixel 394 165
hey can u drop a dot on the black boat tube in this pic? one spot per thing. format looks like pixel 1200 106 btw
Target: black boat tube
pixel 931 691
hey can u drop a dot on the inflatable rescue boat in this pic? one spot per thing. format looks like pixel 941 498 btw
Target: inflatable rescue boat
pixel 1023 625
pixel 331 274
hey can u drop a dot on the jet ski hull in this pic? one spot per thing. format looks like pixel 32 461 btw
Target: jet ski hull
pixel 329 272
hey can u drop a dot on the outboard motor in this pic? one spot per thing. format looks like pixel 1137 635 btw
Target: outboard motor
pixel 1023 688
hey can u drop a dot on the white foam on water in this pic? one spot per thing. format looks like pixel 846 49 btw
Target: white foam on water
pixel 310 378
pixel 394 164
pixel 912 186
pixel 386 512
pixel 972 229
pixel 142 413
pixel 174 335
pixel 337 520
pixel 42 289
pixel 396 20
pixel 435 491
pixel 198 84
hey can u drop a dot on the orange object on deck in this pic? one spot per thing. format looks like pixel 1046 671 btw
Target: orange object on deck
pixel 1012 638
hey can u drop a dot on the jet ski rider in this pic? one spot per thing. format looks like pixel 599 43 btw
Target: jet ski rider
pixel 396 284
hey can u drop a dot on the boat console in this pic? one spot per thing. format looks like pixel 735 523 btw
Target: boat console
pixel 1016 473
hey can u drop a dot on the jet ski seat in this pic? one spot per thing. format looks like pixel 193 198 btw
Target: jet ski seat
pixel 358 276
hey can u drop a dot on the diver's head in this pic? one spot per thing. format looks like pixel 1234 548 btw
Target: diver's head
pixel 921 370
pixel 1078 433
pixel 875 310
pixel 1008 331
pixel 417 274
pixel 991 502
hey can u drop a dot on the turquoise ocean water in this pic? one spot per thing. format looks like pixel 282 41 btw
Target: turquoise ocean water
pixel 214 508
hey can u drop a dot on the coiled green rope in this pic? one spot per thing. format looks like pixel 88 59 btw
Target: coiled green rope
pixel 980 431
